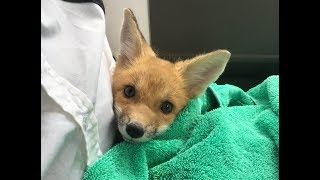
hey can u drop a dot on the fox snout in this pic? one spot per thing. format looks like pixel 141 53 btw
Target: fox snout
pixel 137 122
pixel 134 130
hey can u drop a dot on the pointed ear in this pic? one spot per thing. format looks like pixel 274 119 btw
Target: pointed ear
pixel 203 70
pixel 132 42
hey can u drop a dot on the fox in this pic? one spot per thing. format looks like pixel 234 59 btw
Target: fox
pixel 148 91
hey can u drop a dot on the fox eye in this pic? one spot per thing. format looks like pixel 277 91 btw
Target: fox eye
pixel 166 107
pixel 129 91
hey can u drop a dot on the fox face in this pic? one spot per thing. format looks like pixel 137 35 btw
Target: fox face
pixel 148 91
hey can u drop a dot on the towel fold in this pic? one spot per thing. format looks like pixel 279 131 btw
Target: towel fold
pixel 224 134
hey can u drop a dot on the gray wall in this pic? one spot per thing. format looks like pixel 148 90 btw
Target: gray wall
pixel 249 29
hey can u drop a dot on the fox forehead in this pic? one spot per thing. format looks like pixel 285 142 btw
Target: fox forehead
pixel 149 73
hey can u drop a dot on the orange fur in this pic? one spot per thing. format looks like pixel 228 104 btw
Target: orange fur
pixel 155 81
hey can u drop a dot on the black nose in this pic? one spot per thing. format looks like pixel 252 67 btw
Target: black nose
pixel 134 130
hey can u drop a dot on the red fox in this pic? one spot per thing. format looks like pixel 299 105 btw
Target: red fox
pixel 148 91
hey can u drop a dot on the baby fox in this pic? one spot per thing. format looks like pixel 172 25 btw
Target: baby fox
pixel 148 91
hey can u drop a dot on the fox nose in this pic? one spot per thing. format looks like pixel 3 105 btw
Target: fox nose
pixel 134 130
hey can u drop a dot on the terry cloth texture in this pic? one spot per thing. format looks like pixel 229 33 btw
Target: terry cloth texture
pixel 224 134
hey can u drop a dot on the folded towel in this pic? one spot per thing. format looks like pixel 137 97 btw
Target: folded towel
pixel 224 134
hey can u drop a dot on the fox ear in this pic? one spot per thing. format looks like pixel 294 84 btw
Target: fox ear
pixel 200 71
pixel 132 42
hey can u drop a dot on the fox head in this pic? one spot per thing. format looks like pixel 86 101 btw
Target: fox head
pixel 148 91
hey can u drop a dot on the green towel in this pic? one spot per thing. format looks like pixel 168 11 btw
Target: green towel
pixel 224 134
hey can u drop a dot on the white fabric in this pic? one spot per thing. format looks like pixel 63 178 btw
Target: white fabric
pixel 77 124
